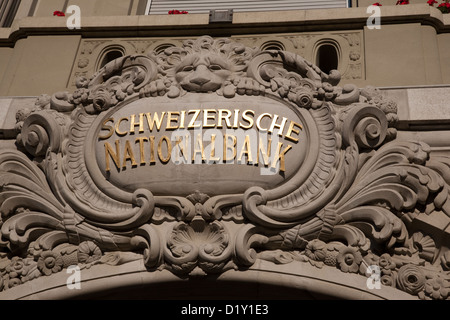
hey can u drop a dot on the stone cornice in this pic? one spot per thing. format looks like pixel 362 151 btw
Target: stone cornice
pixel 243 22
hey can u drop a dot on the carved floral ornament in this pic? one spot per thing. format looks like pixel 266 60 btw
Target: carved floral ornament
pixel 349 205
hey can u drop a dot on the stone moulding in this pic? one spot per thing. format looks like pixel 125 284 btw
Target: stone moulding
pixel 273 21
pixel 350 202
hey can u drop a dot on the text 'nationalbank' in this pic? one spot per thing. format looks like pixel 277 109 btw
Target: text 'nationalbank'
pixel 198 136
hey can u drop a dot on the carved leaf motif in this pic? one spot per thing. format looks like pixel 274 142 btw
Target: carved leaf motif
pixel 441 165
pixel 392 181
pixel 205 245
pixel 32 213
pixel 29 208
pixel 23 185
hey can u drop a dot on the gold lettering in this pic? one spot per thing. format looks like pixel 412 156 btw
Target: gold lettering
pixel 193 124
pixel 155 121
pixel 207 117
pixel 213 157
pixel 246 149
pixel 183 119
pixel 198 148
pixel 128 156
pixel 225 118
pixel 258 121
pixel 110 129
pixel 118 132
pixel 109 152
pixel 280 157
pixel 152 150
pixel 171 119
pixel 141 141
pixel 227 147
pixel 236 119
pixel 169 150
pixel 265 154
pixel 248 119
pixel 279 126
pixel 182 148
pixel 219 118
pixel 292 129
pixel 134 124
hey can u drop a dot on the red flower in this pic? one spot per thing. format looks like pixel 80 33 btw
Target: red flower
pixel 59 14
pixel 401 2
pixel 377 4
pixel 177 12
pixel 444 7
pixel 431 2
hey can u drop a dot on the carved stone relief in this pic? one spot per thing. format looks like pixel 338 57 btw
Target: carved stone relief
pixel 91 51
pixel 345 193
pixel 351 64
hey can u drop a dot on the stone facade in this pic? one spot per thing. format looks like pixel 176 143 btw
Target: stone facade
pixel 225 159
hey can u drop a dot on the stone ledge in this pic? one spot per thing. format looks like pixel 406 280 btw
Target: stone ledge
pixel 243 22
pixel 421 103
pixel 388 13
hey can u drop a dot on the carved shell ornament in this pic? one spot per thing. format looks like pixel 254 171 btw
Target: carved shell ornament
pixel 78 190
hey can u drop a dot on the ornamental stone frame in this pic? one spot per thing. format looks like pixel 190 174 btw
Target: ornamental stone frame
pixel 346 197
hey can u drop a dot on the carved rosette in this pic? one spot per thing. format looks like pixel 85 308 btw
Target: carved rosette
pixel 349 204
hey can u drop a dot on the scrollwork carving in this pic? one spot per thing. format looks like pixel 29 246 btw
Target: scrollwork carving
pixel 349 206
pixel 41 131
pixel 365 125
